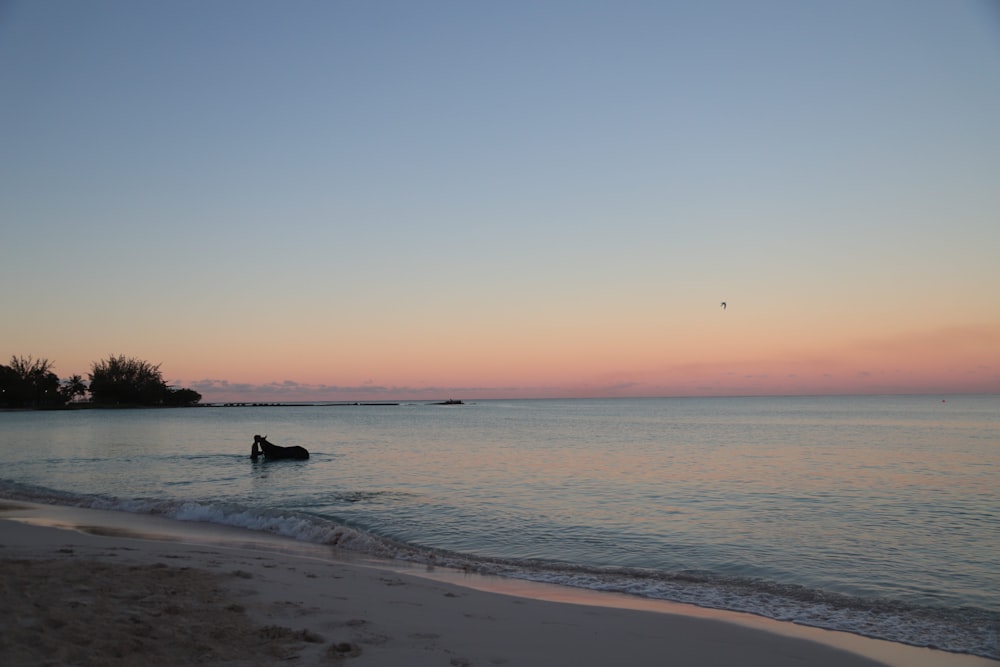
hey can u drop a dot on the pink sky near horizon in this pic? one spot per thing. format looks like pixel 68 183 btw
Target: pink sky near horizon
pixel 952 360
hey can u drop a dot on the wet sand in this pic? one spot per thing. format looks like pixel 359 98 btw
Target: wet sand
pixel 95 588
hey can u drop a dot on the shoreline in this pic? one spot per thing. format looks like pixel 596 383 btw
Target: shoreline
pixel 392 613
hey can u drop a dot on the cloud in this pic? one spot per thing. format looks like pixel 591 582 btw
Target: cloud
pixel 953 360
pixel 217 391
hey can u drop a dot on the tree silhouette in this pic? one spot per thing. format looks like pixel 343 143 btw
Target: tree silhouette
pixel 29 382
pixel 117 380
pixel 181 397
pixel 125 380
pixel 73 387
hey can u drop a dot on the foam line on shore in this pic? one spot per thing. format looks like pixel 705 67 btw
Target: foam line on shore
pixel 151 539
pixel 958 631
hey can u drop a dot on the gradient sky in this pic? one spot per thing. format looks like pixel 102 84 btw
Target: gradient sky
pixel 427 200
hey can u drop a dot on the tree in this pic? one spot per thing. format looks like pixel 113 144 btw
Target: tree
pixel 29 382
pixel 125 380
pixel 181 397
pixel 10 388
pixel 72 388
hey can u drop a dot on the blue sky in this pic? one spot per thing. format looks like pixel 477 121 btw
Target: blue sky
pixel 324 192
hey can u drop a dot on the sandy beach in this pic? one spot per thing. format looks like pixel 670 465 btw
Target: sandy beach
pixel 85 587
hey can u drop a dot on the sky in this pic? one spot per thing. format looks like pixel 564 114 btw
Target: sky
pixel 340 200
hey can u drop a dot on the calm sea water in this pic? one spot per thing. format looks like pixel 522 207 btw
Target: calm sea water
pixel 874 515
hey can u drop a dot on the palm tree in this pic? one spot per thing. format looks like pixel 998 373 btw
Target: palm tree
pixel 73 387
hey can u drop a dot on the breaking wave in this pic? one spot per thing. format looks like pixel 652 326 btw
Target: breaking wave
pixel 964 630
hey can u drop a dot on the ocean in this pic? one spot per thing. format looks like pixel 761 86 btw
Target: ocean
pixel 878 516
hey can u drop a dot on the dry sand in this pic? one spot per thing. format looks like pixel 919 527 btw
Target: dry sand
pixel 99 595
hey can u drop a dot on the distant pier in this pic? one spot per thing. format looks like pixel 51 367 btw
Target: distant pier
pixel 296 405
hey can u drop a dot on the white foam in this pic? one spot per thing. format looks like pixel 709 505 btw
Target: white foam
pixel 973 632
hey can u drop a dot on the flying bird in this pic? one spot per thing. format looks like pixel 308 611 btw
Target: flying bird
pixel 723 305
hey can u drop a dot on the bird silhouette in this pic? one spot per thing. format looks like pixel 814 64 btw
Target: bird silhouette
pixel 723 305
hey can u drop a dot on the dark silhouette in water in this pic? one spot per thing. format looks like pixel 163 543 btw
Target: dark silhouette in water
pixel 273 452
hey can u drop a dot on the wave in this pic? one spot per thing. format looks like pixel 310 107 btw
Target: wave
pixel 958 630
